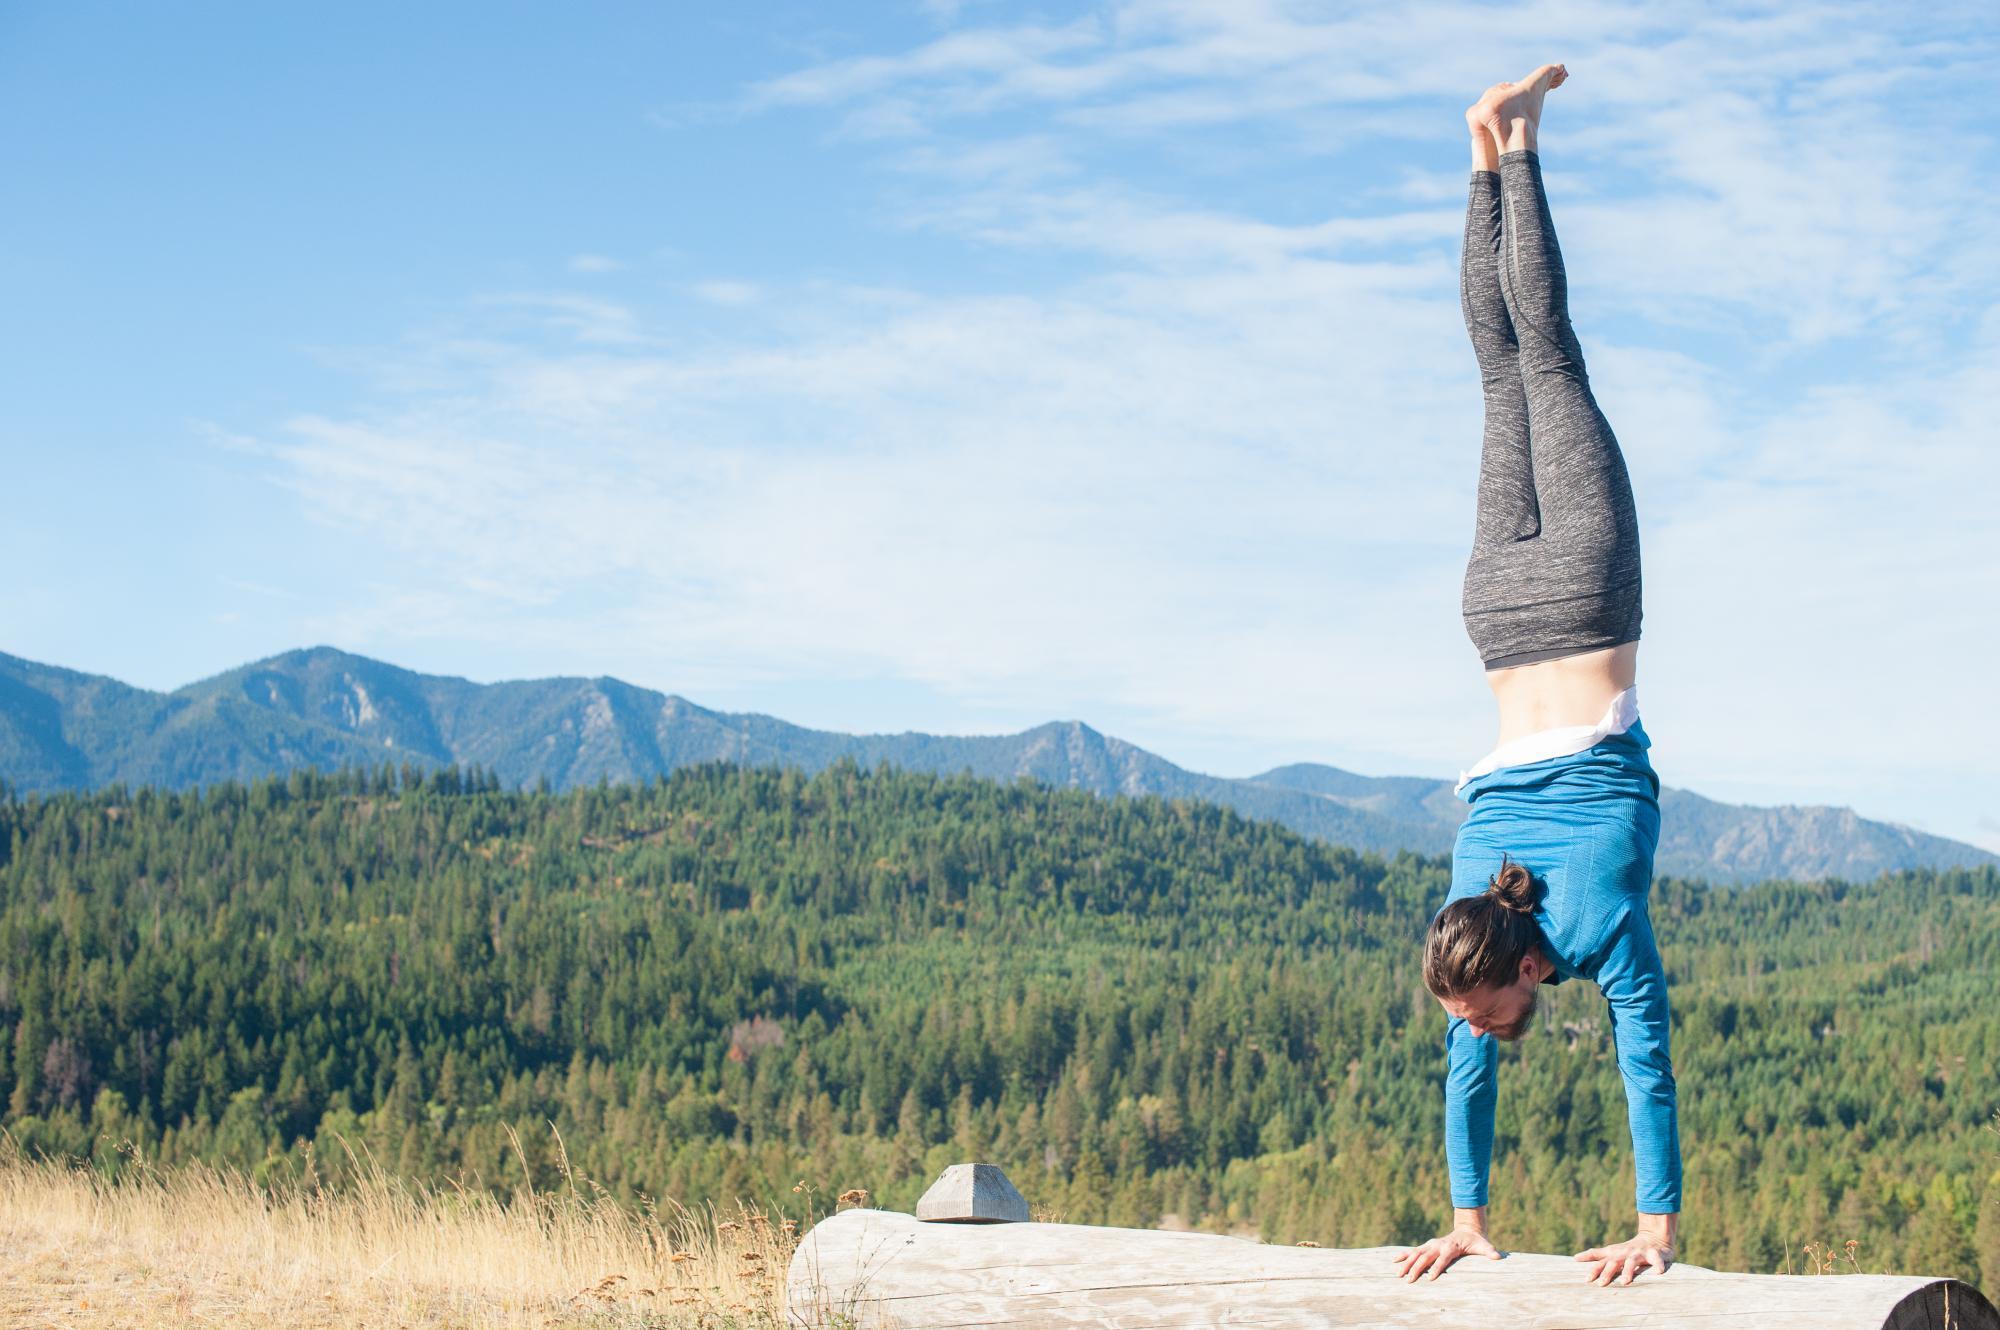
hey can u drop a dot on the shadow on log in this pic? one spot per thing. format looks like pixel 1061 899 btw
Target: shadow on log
pixel 871 1268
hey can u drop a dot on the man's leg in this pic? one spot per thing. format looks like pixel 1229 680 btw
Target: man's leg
pixel 1581 484
pixel 1507 505
pixel 1575 586
pixel 1508 512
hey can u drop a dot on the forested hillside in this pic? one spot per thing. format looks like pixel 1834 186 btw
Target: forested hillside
pixel 726 981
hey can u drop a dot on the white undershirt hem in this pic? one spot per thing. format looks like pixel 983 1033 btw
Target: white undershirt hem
pixel 1559 742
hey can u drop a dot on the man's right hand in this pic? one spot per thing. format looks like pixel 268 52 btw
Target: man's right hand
pixel 1437 1255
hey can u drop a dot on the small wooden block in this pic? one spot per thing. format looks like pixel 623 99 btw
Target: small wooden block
pixel 973 1194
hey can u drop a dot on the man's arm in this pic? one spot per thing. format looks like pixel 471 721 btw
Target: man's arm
pixel 1635 984
pixel 1468 1149
pixel 1470 1091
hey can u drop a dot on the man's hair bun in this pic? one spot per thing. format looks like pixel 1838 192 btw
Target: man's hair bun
pixel 1479 940
pixel 1513 886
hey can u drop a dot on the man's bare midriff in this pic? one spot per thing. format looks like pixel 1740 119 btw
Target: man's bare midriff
pixel 1574 690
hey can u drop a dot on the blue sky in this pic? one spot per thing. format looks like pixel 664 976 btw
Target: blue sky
pixel 962 366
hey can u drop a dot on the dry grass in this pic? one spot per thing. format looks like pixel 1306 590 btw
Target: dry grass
pixel 1823 1258
pixel 204 1247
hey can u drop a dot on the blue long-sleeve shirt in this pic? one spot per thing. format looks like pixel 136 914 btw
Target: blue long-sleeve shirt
pixel 1586 825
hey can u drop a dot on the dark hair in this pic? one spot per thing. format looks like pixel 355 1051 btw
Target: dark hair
pixel 1481 939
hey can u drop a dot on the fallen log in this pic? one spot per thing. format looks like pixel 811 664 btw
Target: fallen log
pixel 881 1268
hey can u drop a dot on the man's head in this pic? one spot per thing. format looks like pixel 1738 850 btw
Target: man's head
pixel 1503 1011
pixel 1483 959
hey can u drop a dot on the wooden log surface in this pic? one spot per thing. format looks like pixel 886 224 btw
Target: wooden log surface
pixel 881 1268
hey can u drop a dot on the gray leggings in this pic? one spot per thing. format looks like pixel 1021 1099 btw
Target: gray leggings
pixel 1555 551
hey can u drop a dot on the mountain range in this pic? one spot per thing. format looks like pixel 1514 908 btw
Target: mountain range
pixel 60 729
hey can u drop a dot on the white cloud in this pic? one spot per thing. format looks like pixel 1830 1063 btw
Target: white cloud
pixel 983 53
pixel 981 494
pixel 1764 170
pixel 726 293
pixel 584 318
pixel 593 263
pixel 1220 475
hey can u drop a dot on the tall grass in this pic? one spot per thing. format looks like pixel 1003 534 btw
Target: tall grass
pixel 204 1246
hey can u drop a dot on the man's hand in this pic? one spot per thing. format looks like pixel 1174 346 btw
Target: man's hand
pixel 1438 1254
pixel 1627 1259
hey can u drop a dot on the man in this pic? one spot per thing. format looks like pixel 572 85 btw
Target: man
pixel 1552 867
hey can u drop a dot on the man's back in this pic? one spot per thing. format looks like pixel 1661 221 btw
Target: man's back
pixel 1586 825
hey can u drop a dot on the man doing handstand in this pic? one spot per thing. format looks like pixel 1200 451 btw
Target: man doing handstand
pixel 1552 867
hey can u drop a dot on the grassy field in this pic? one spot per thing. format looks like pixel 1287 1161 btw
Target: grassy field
pixel 200 1247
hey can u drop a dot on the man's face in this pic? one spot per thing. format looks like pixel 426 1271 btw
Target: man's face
pixel 1504 1013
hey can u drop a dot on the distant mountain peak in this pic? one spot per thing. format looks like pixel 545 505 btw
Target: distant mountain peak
pixel 322 706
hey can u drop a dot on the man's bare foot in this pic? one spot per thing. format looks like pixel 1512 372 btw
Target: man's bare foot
pixel 1511 112
pixel 1485 148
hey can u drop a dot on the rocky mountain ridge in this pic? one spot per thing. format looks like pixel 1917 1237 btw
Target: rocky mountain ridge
pixel 60 729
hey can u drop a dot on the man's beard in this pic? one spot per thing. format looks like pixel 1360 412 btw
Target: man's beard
pixel 1519 1025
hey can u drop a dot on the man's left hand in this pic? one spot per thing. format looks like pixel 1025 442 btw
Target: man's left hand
pixel 1620 1262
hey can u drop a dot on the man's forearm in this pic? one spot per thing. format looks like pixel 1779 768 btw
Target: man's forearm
pixel 1469 1095
pixel 1472 1221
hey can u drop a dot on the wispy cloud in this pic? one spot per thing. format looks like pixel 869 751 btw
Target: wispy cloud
pixel 585 318
pixel 1764 163
pixel 972 59
pixel 1218 474
pixel 726 293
